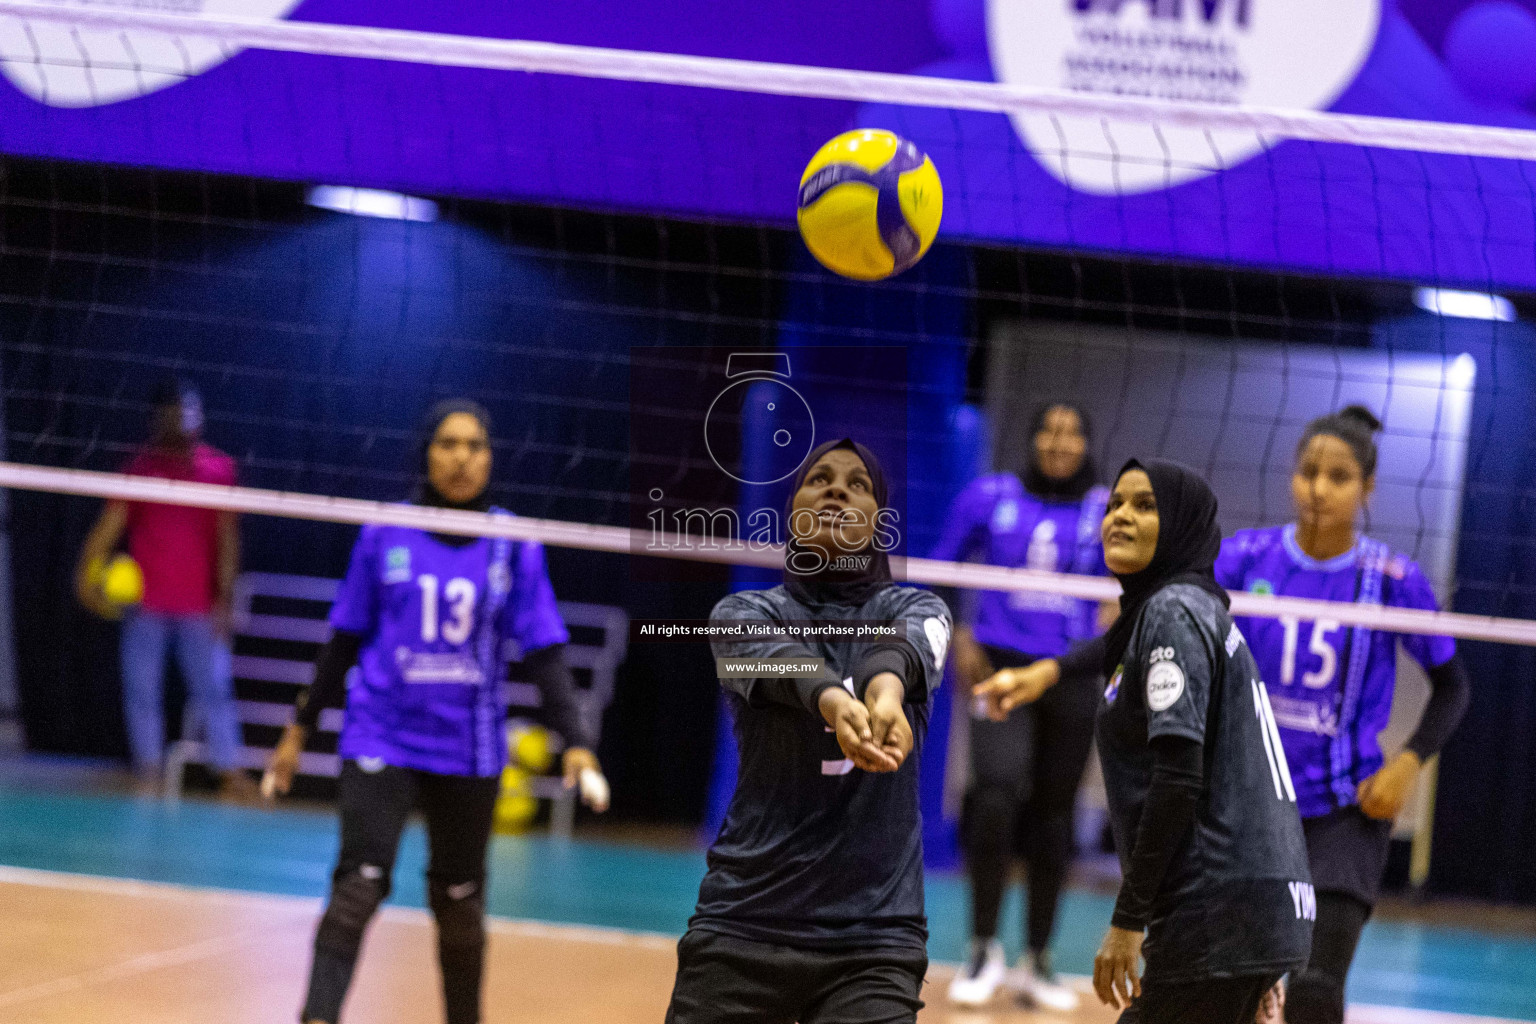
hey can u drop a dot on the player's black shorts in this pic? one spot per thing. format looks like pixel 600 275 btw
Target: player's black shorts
pixel 722 979
pixel 1214 1001
pixel 1347 853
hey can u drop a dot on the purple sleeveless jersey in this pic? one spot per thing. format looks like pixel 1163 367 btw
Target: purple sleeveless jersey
pixel 434 618
pixel 1330 685
pixel 996 519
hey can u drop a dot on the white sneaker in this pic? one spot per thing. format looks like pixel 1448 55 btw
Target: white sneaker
pixel 982 975
pixel 1036 984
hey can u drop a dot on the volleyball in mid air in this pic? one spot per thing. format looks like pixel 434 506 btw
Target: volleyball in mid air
pixel 870 204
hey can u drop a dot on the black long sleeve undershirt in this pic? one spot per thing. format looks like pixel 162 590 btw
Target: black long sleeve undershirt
pixel 898 658
pixel 546 668
pixel 1166 818
pixel 329 688
pixel 806 693
pixel 1450 691
pixel 1083 659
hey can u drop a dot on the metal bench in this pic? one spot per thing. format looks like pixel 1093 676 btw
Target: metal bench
pixel 600 636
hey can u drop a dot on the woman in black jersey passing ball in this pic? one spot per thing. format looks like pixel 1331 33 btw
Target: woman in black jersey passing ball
pixel 812 908
pixel 1216 896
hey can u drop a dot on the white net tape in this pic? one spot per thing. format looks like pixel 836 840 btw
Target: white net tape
pixel 619 540
pixel 99 39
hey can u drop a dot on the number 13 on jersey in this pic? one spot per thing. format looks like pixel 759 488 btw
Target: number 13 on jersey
pixel 459 596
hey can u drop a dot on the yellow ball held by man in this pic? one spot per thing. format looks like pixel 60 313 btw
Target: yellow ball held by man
pixel 122 581
pixel 516 806
pixel 531 748
pixel 870 204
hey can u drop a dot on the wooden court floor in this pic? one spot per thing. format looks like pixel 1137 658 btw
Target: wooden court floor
pixel 78 948
pixel 75 949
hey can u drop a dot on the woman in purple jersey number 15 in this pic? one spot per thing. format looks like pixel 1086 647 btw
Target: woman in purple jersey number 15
pixel 424 617
pixel 1332 690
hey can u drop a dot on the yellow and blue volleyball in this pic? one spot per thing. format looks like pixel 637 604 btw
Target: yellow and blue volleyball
pixel 870 204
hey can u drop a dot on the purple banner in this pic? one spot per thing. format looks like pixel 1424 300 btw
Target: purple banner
pixel 714 153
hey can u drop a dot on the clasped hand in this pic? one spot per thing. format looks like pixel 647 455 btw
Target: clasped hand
pixel 873 733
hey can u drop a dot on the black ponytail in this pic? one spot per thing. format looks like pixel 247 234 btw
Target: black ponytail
pixel 1356 426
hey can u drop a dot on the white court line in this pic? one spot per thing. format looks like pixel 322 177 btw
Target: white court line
pixel 74 882
pixel 590 934
pixel 141 964
pixel 1362 1014
pixel 521 927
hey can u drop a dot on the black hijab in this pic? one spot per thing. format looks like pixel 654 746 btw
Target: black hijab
pixel 1048 487
pixel 837 586
pixel 423 493
pixel 1188 541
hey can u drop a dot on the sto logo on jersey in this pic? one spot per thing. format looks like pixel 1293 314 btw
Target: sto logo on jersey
pixel 1165 681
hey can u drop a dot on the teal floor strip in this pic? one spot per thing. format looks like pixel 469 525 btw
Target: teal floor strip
pixel 290 852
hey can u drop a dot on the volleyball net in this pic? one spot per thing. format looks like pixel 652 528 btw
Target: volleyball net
pixel 710 548
pixel 598 245
pixel 319 338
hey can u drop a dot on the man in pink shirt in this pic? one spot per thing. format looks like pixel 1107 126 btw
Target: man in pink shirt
pixel 189 558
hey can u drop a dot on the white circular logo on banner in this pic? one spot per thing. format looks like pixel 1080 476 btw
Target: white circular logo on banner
pixel 1165 685
pixel 1296 54
pixel 64 66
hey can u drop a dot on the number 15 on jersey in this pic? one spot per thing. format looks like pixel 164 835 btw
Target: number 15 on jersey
pixel 1319 645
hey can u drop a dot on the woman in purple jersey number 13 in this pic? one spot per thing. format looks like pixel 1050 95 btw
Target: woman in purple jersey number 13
pixel 424 617
pixel 1332 690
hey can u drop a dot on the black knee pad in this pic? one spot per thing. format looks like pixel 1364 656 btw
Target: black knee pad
pixel 1313 998
pixel 460 911
pixel 355 896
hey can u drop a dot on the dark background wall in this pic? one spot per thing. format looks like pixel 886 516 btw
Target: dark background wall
pixel 318 341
